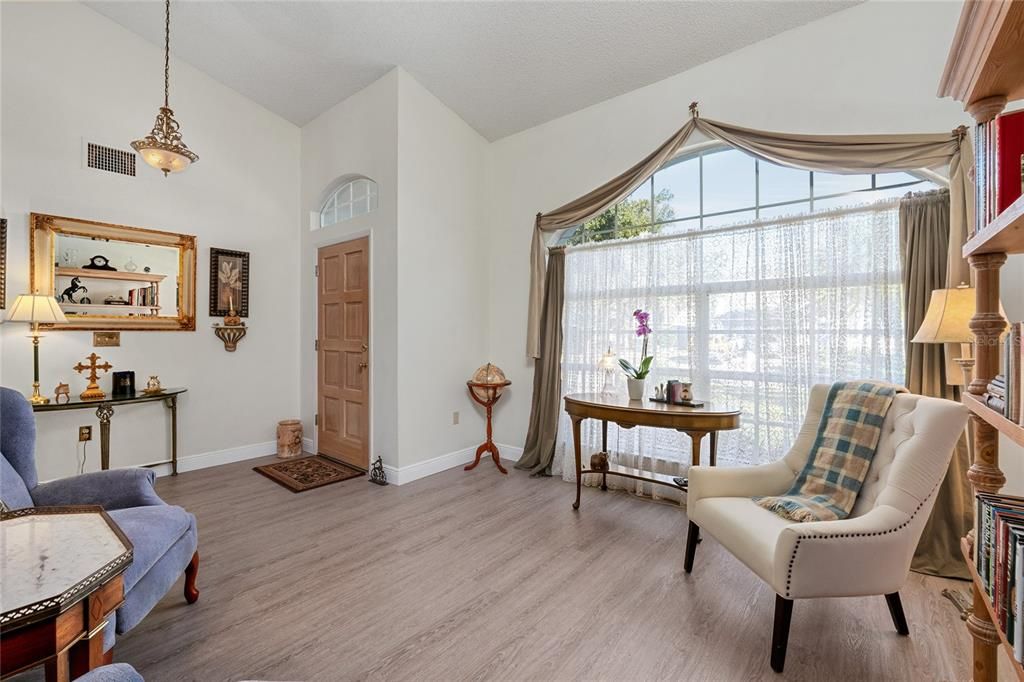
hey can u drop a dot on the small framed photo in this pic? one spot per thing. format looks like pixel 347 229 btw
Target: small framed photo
pixel 229 282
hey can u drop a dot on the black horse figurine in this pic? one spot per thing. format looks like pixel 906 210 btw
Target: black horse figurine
pixel 69 293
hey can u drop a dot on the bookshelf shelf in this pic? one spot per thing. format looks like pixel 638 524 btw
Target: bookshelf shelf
pixel 997 421
pixel 985 60
pixel 110 274
pixel 968 553
pixel 1005 234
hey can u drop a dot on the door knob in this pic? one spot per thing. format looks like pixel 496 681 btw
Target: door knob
pixel 364 348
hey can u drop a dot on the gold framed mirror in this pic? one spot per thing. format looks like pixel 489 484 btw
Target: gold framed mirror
pixel 116 277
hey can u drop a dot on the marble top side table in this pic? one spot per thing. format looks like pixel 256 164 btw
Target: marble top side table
pixel 60 579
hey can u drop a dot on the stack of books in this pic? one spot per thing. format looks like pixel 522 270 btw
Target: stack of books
pixel 144 296
pixel 999 560
pixel 999 165
pixel 1003 393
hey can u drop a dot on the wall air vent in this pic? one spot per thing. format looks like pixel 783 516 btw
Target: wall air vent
pixel 110 159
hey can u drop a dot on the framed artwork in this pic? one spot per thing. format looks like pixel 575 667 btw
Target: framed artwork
pixel 229 282
pixel 3 263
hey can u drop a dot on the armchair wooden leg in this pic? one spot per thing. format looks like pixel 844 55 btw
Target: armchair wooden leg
pixel 191 591
pixel 899 619
pixel 692 538
pixel 780 635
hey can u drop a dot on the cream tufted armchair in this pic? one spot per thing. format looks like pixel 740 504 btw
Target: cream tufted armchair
pixel 869 552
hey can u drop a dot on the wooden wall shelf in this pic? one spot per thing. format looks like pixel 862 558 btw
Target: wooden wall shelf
pixel 110 274
pixel 1005 234
pixel 997 421
pixel 968 553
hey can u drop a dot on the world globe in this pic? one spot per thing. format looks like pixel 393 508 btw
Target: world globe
pixel 490 375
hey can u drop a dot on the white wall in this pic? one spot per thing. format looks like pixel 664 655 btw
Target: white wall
pixel 69 73
pixel 359 136
pixel 442 274
pixel 872 68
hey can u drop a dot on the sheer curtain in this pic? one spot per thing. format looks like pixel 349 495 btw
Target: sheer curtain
pixel 752 314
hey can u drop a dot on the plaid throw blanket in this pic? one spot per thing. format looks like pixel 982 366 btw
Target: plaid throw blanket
pixel 848 434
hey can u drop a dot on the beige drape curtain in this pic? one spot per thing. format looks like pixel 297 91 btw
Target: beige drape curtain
pixel 924 249
pixel 842 153
pixel 539 449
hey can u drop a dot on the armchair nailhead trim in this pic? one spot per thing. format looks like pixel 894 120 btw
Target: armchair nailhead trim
pixel 801 538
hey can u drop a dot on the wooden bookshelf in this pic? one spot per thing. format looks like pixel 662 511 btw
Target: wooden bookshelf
pixel 110 274
pixel 1005 234
pixel 968 552
pixel 985 71
pixel 997 421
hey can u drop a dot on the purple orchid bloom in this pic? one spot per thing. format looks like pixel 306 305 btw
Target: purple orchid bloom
pixel 643 330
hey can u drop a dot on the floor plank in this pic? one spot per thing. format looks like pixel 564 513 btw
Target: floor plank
pixel 473 575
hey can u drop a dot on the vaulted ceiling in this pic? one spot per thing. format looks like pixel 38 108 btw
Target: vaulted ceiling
pixel 502 66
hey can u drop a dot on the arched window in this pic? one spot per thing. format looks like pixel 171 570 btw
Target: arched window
pixel 351 199
pixel 723 186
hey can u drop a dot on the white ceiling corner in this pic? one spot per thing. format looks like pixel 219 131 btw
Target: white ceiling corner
pixel 503 66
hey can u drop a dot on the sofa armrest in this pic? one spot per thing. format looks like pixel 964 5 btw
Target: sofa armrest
pixel 767 479
pixel 113 489
pixel 866 555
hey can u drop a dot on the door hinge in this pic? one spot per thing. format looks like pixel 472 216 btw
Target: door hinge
pixel 316 419
pixel 316 344
pixel 316 270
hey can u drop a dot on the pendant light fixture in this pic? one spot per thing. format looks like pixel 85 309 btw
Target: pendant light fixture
pixel 163 148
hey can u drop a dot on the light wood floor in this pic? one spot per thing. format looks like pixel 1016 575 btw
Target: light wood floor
pixel 472 575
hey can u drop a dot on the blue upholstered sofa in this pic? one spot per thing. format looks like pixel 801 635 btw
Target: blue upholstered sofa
pixel 164 536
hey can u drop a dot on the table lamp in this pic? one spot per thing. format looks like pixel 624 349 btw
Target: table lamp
pixel 36 309
pixel 947 321
pixel 608 366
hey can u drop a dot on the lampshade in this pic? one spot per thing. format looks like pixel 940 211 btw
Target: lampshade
pixel 608 361
pixel 36 308
pixel 949 313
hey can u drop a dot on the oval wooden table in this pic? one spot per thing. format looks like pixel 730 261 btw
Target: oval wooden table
pixel 696 422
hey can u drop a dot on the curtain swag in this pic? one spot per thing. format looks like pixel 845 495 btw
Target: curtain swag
pixel 832 153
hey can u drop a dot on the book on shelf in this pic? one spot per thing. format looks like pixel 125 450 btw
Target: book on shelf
pixel 1012 372
pixel 999 561
pixel 998 166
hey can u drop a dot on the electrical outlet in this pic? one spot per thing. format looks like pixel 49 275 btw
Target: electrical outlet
pixel 455 418
pixel 84 433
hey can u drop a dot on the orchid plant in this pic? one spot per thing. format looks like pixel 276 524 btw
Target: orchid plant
pixel 643 330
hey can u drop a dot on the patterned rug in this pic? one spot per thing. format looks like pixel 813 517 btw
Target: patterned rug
pixel 306 473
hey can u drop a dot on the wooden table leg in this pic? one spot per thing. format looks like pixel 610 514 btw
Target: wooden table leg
pixel 56 669
pixel 695 438
pixel 714 448
pixel 87 653
pixel 576 451
pixel 604 449
pixel 104 413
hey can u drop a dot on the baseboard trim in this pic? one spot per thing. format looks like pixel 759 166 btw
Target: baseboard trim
pixel 414 472
pixel 214 458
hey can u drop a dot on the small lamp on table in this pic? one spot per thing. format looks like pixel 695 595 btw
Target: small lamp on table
pixel 36 309
pixel 947 321
pixel 608 366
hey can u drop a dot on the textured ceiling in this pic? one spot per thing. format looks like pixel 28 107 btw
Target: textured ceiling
pixel 502 66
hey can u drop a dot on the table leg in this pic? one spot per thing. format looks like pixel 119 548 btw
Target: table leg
pixel 695 438
pixel 604 449
pixel 714 448
pixel 56 669
pixel 104 413
pixel 172 405
pixel 579 466
pixel 87 653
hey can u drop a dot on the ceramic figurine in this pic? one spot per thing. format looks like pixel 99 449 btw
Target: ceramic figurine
pixel 153 385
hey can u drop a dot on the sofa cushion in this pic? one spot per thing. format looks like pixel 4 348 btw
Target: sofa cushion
pixel 752 541
pixel 13 492
pixel 152 531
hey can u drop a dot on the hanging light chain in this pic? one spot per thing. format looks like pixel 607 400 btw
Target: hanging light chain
pixel 167 52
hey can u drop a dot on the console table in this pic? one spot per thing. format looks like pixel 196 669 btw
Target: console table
pixel 696 422
pixel 105 410
pixel 60 579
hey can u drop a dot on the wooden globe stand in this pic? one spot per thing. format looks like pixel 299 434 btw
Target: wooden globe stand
pixel 491 391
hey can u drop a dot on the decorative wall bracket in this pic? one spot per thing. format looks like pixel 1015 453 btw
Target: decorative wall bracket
pixel 230 335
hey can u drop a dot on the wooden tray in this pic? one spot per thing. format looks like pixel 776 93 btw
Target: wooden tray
pixel 684 403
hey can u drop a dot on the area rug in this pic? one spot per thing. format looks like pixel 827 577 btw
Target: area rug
pixel 306 473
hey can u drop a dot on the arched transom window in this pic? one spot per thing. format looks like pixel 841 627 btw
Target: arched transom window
pixel 351 199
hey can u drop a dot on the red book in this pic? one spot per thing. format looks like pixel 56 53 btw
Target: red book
pixel 1009 148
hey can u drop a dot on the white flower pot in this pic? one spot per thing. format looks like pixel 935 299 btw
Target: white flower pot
pixel 635 388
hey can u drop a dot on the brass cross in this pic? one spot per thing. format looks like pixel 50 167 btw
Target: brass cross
pixel 93 389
